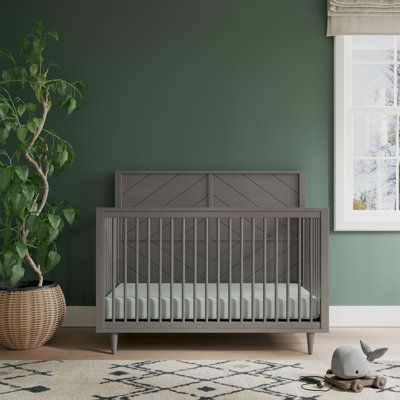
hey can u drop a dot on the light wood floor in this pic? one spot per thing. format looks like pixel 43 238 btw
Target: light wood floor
pixel 84 343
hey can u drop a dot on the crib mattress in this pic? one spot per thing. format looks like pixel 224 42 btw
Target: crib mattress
pixel 200 297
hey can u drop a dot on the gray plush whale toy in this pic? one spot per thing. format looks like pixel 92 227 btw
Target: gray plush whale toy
pixel 350 362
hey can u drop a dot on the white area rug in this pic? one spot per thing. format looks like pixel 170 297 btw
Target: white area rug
pixel 176 380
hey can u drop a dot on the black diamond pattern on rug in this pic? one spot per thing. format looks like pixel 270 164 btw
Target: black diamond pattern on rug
pixel 15 370
pixel 206 389
pixel 176 380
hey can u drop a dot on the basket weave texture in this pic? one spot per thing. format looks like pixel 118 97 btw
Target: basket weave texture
pixel 29 318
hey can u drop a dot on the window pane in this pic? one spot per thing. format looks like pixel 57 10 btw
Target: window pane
pixel 374 136
pixel 373 48
pixel 374 185
pixel 373 84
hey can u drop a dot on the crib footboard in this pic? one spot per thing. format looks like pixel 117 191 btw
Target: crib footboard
pixel 212 270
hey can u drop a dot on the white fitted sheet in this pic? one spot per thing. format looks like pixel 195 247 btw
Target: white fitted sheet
pixel 212 301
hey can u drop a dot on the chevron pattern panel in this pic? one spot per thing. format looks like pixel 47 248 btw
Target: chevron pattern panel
pixel 209 189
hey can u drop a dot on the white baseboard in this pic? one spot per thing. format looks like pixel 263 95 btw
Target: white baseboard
pixel 364 316
pixel 338 316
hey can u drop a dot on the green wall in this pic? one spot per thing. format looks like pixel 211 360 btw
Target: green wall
pixel 210 84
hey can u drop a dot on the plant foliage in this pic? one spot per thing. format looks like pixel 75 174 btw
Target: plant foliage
pixel 31 153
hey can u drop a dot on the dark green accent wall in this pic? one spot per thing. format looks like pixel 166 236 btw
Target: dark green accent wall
pixel 210 84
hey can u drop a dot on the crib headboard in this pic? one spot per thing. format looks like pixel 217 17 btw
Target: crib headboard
pixel 253 189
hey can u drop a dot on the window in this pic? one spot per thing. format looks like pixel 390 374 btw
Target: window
pixel 367 112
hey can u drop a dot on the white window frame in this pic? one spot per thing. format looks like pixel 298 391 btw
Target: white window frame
pixel 345 218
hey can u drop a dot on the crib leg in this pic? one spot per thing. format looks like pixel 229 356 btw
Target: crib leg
pixel 310 342
pixel 114 342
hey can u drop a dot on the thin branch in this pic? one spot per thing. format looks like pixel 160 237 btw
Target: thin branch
pixel 43 176
pixel 28 257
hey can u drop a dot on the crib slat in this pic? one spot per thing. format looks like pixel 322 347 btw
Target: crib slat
pixel 218 262
pixel 265 238
pixel 311 265
pixel 300 244
pixel 118 250
pixel 312 255
pixel 114 264
pixel 195 269
pixel 160 251
pixel 137 272
pixel 148 266
pixel 319 260
pixel 106 255
pixel 319 257
pixel 125 267
pixel 253 266
pixel 288 271
pixel 206 288
pixel 183 266
pixel 171 307
pixel 230 268
pixel 241 269
pixel 315 257
pixel 276 266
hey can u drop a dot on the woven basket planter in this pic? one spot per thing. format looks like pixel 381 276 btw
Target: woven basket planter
pixel 29 316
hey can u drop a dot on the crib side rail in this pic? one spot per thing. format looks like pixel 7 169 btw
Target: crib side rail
pixel 170 269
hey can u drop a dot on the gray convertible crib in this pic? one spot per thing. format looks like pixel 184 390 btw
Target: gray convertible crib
pixel 211 252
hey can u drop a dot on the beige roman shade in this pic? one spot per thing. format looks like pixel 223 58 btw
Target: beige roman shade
pixel 363 17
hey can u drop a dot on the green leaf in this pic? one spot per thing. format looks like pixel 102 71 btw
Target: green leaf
pixel 31 126
pixel 53 258
pixel 80 103
pixel 10 259
pixel 41 254
pixel 62 88
pixel 50 169
pixel 28 191
pixel 12 267
pixel 5 75
pixel 33 69
pixel 3 111
pixel 33 222
pixel 5 177
pixel 4 133
pixel 63 158
pixel 38 94
pixel 72 105
pixel 54 35
pixel 69 214
pixel 37 121
pixel 22 249
pixel 54 220
pixel 22 171
pixel 17 273
pixel 8 126
pixel 18 204
pixel 21 109
pixel 31 107
pixel 82 86
pixel 38 27
pixel 53 233
pixel 21 133
pixel 41 79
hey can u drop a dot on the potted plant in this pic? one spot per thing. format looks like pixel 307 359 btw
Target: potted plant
pixel 30 154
